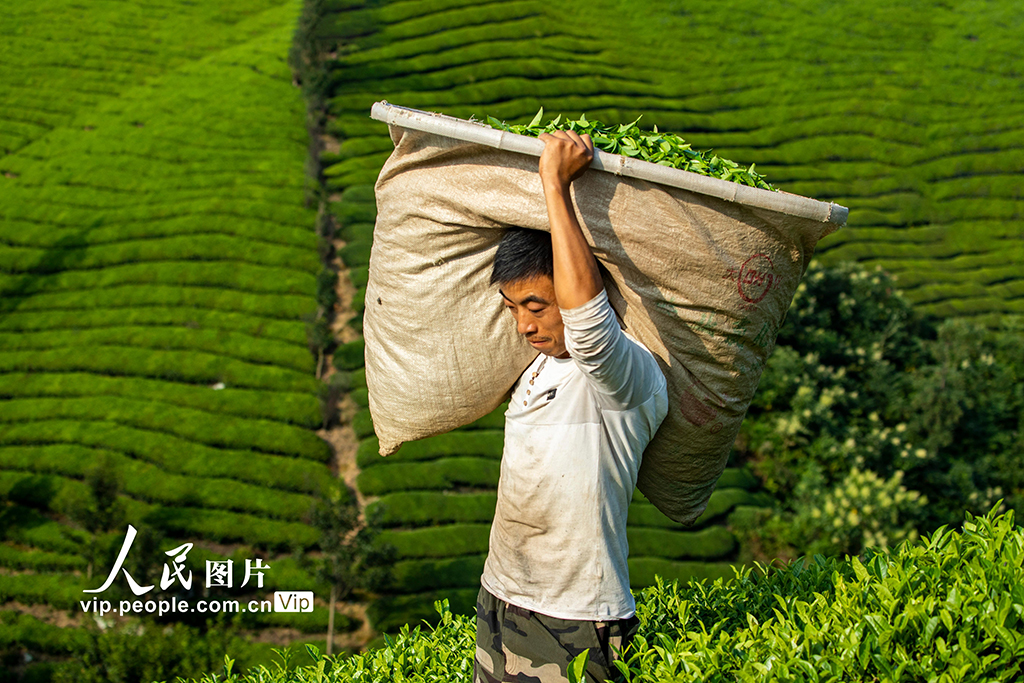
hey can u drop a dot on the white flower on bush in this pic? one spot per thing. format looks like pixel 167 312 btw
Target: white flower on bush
pixel 862 510
pixel 988 499
pixel 789 425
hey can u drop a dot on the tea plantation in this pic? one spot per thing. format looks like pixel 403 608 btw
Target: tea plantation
pixel 908 116
pixel 911 115
pixel 161 270
pixel 157 258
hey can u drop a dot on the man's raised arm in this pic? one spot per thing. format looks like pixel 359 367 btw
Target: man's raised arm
pixel 623 372
pixel 566 156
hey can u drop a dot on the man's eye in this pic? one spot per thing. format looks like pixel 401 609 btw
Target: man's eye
pixel 536 311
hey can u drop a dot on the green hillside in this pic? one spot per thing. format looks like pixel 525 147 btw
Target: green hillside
pixel 911 117
pixel 157 261
pixel 160 260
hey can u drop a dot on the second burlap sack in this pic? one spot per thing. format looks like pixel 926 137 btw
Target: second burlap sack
pixel 704 283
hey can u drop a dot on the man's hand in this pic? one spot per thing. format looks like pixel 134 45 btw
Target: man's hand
pixel 566 156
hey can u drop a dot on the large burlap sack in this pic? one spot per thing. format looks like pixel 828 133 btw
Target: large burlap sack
pixel 704 283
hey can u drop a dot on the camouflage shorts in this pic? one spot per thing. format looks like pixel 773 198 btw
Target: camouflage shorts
pixel 517 645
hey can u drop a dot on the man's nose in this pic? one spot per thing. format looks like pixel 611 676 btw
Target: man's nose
pixel 525 325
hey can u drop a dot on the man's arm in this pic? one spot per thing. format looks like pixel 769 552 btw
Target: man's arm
pixel 621 371
pixel 566 156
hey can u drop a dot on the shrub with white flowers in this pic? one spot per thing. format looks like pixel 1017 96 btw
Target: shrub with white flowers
pixel 859 385
pixel 862 511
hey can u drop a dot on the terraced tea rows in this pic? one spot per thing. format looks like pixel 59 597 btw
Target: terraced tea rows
pixel 157 256
pixel 915 122
pixel 911 116
pixel 157 260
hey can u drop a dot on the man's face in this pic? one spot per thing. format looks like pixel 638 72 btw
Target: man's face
pixel 532 303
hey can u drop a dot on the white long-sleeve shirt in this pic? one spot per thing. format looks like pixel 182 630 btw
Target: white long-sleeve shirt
pixel 573 444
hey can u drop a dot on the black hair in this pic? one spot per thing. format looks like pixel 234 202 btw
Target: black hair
pixel 522 254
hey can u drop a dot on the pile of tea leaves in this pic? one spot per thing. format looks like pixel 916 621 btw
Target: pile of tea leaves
pixel 667 149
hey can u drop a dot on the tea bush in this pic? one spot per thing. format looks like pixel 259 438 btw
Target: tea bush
pixel 197 425
pixel 282 472
pixel 138 651
pixel 443 473
pixel 949 607
pixel 449 540
pixel 647 571
pixel 712 542
pixel 723 500
pixel 481 443
pixel 290 408
pixel 220 342
pixel 170 315
pixel 390 613
pixel 424 508
pixel 417 576
pixel 39 560
pixel 174 365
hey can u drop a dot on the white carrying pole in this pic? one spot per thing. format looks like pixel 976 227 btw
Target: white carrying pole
pixel 471 131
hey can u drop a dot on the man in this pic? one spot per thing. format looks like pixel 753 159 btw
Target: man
pixel 556 582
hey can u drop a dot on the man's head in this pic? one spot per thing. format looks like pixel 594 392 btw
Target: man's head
pixel 524 270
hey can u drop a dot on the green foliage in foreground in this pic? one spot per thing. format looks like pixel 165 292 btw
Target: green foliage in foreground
pixel 949 608
pixel 627 139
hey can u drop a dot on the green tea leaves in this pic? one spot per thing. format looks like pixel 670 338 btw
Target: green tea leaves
pixel 627 139
pixel 578 666
pixel 942 609
pixel 536 119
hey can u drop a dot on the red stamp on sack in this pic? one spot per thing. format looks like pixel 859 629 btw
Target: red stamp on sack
pixel 755 278
pixel 699 413
pixel 694 410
